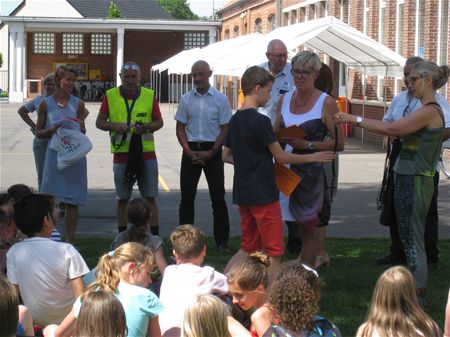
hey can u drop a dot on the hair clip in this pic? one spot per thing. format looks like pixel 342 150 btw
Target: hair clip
pixel 310 269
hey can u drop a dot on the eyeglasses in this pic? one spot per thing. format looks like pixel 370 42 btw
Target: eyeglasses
pixel 279 56
pixel 302 73
pixel 413 79
pixel 132 66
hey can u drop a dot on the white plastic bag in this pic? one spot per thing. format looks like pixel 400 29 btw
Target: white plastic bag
pixel 71 145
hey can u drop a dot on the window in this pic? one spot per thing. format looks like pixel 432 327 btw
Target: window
pixel 366 16
pixel 443 38
pixel 420 28
pixel 235 31
pixel 195 40
pixel 72 43
pixel 44 43
pixel 293 19
pixel 344 10
pixel 382 31
pixel 400 23
pixel 272 22
pixel 258 25
pixel 226 34
pixel 101 44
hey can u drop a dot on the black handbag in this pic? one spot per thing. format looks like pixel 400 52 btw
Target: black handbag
pixel 385 197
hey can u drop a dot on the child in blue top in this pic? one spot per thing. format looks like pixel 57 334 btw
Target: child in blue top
pixel 126 273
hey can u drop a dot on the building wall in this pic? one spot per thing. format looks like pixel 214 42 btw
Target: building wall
pixel 48 8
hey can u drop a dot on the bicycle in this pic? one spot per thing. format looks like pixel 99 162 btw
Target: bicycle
pixel 445 158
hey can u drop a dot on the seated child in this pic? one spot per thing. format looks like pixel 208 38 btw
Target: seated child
pixel 46 273
pixel 101 315
pixel 187 279
pixel 138 214
pixel 15 319
pixel 126 273
pixel 294 301
pixel 209 316
pixel 395 309
pixel 248 283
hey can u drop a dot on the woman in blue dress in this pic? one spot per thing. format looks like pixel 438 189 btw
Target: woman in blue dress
pixel 70 184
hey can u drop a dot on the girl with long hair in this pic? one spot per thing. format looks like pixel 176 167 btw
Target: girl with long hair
pixel 139 213
pixel 395 309
pixel 206 316
pixel 125 272
pixel 100 315
pixel 248 283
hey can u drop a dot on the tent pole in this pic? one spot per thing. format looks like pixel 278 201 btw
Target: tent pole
pixel 385 91
pixel 364 103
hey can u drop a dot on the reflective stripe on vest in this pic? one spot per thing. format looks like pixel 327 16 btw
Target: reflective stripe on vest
pixel 142 112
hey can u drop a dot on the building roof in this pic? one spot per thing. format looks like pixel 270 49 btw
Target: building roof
pixel 129 9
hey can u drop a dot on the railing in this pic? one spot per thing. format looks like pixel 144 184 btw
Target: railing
pixel 4 85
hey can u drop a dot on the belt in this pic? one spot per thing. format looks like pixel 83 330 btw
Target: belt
pixel 200 146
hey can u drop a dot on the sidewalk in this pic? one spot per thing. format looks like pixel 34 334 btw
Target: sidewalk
pixel 354 213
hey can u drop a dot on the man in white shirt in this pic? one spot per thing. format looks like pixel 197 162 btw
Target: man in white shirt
pixel 402 105
pixel 202 126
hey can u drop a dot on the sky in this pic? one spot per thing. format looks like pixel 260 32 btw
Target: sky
pixel 199 7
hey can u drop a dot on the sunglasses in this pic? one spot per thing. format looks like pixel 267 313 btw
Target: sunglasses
pixel 413 79
pixel 302 73
pixel 131 66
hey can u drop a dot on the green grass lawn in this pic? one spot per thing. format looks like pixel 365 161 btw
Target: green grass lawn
pixel 347 284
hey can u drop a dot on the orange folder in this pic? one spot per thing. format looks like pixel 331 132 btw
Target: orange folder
pixel 293 131
pixel 286 179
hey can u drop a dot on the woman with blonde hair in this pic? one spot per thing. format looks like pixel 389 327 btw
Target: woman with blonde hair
pixel 100 315
pixel 395 309
pixel 312 110
pixel 125 272
pixel 421 134
pixel 70 184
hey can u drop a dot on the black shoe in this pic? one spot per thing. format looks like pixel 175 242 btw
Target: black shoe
pixel 294 246
pixel 223 248
pixel 390 260
pixel 432 265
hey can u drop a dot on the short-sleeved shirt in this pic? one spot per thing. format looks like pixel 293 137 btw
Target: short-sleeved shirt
pixel 33 105
pixel 180 284
pixel 156 114
pixel 249 134
pixel 153 241
pixel 402 105
pixel 203 114
pixel 139 304
pixel 282 84
pixel 43 269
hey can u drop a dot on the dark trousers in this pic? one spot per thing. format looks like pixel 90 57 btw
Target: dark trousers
pixel 215 177
pixel 431 231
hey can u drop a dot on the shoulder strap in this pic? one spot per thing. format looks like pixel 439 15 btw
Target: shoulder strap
pixel 439 109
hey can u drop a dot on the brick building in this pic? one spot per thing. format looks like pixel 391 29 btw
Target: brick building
pixel 34 40
pixel 386 21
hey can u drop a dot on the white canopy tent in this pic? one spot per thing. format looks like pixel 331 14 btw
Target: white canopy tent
pixel 328 35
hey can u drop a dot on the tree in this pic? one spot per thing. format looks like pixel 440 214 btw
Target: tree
pixel 179 9
pixel 114 12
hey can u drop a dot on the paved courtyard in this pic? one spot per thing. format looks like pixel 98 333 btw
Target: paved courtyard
pixel 354 211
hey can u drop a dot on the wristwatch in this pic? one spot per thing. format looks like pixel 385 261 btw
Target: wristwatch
pixel 359 120
pixel 311 146
pixel 214 151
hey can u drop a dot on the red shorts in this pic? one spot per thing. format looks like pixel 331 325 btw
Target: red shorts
pixel 262 229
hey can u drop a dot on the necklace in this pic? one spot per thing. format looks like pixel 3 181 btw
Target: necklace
pixel 304 102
